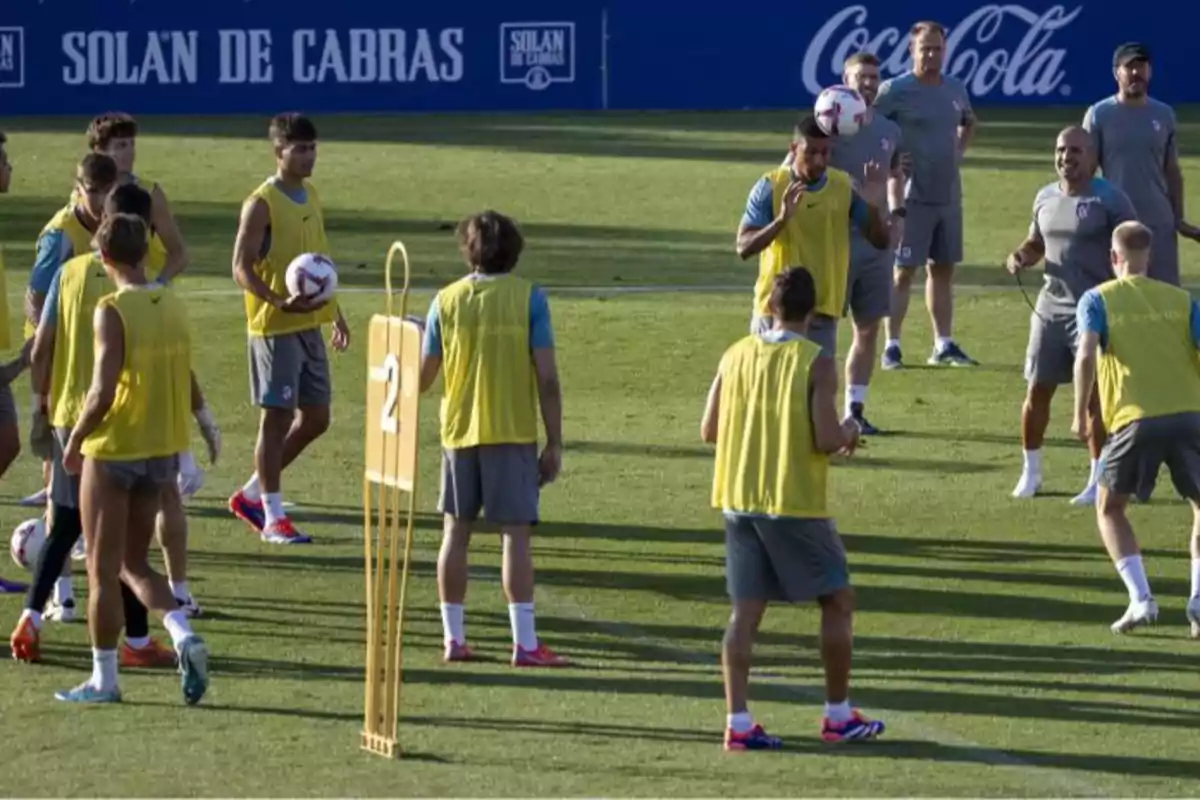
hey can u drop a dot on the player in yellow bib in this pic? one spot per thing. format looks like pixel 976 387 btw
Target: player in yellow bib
pixel 1140 337
pixel 289 367
pixel 772 413
pixel 126 445
pixel 800 214
pixel 491 333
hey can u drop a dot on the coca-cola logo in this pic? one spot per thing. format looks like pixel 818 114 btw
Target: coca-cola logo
pixel 975 51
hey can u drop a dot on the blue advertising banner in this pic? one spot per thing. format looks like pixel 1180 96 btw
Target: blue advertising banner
pixel 233 56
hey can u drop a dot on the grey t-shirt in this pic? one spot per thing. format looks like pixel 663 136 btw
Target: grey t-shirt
pixel 929 116
pixel 879 141
pixel 1077 230
pixel 1132 143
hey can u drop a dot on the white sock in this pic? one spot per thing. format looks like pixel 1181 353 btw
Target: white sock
pixel 63 590
pixel 180 590
pixel 1033 461
pixel 273 506
pixel 839 712
pixel 1195 577
pixel 1134 575
pixel 452 623
pixel 521 617
pixel 740 722
pixel 942 342
pixel 104 670
pixel 187 463
pixel 252 490
pixel 855 394
pixel 33 616
pixel 1094 475
pixel 893 342
pixel 176 623
pixel 138 642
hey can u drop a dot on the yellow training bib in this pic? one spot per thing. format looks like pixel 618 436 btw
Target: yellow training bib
pixel 82 283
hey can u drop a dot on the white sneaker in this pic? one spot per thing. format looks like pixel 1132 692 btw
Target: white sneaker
pixel 1193 615
pixel 1087 497
pixel 1028 486
pixel 35 500
pixel 79 551
pixel 60 612
pixel 1139 613
pixel 189 483
pixel 189 606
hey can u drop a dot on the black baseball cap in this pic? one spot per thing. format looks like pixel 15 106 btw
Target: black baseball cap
pixel 1130 51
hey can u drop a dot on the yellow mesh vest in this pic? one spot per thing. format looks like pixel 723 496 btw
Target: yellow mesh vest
pixel 82 283
pixel 817 237
pixel 151 414
pixel 296 228
pixel 1149 366
pixel 491 387
pixel 766 461
pixel 79 237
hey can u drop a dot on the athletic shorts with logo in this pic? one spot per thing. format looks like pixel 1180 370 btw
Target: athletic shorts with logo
pixel 1053 343
pixel 499 480
pixel 1135 453
pixel 785 559
pixel 289 370
pixel 932 233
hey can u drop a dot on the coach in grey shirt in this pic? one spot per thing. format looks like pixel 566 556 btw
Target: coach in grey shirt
pixel 935 117
pixel 1135 142
pixel 1072 226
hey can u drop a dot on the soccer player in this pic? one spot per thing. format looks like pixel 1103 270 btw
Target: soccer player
pixel 491 330
pixel 1140 336
pixel 1072 227
pixel 63 367
pixel 801 213
pixel 934 113
pixel 1135 140
pixel 289 367
pixel 870 290
pixel 772 413
pixel 126 445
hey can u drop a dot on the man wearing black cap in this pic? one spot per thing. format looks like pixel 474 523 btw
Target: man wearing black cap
pixel 1135 142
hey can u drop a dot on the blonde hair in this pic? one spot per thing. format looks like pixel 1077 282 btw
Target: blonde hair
pixel 1132 238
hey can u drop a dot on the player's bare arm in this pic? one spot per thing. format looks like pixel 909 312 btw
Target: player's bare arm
pixel 876 228
pixel 110 358
pixel 339 337
pixel 1085 382
pixel 34 302
pixel 545 367
pixel 168 231
pixel 252 232
pixel 42 359
pixel 897 175
pixel 1174 175
pixel 751 241
pixel 710 422
pixel 206 422
pixel 830 435
pixel 1028 253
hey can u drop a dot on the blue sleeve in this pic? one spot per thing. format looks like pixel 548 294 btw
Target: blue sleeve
pixel 52 250
pixel 541 335
pixel 759 210
pixel 50 309
pixel 860 211
pixel 432 344
pixel 1091 315
pixel 1195 323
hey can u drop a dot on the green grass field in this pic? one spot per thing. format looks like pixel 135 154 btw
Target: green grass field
pixel 982 633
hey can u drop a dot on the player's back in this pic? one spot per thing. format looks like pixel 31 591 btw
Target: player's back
pixel 81 285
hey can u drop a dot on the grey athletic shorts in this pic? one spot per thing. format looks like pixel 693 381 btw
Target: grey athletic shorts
pixel 1133 455
pixel 822 330
pixel 64 488
pixel 289 370
pixel 499 479
pixel 1050 356
pixel 869 295
pixel 783 559
pixel 143 475
pixel 1164 254
pixel 932 233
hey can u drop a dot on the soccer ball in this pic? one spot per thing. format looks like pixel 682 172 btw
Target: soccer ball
pixel 840 110
pixel 312 276
pixel 27 542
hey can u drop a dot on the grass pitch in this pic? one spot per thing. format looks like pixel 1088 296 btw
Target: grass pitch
pixel 982 633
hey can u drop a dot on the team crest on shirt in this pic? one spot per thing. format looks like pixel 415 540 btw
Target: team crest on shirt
pixel 1157 126
pixel 1082 209
pixel 886 144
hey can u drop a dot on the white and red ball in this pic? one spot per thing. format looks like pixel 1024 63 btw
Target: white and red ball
pixel 312 276
pixel 840 110
pixel 27 542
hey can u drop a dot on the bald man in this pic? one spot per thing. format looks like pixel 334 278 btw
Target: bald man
pixel 1141 337
pixel 1073 222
